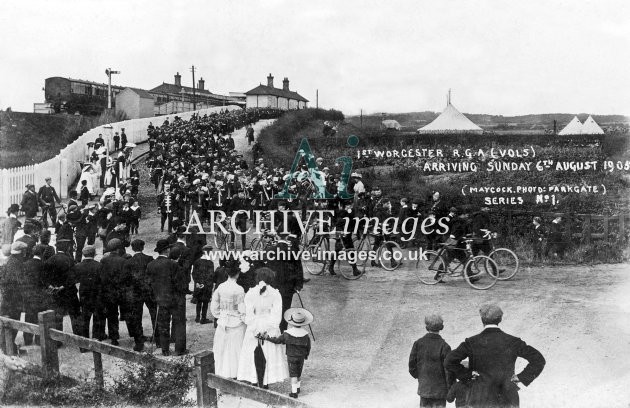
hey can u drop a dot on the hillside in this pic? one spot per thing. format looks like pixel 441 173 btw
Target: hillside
pixel 414 120
pixel 29 138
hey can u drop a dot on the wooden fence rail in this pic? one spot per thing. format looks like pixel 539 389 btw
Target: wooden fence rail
pixel 206 382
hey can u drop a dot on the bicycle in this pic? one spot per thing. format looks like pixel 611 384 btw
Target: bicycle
pixel 385 253
pixel 266 240
pixel 480 272
pixel 506 260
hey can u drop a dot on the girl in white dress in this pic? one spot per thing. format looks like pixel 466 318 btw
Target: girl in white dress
pixel 228 307
pixel 263 312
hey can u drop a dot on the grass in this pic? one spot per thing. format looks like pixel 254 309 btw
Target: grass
pixel 29 138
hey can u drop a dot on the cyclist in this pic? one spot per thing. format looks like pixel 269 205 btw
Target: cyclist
pixel 382 212
pixel 345 221
pixel 459 228
pixel 481 231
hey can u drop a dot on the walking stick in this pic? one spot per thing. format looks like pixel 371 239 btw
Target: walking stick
pixel 153 345
pixel 302 303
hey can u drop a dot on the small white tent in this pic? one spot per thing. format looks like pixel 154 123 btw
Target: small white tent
pixel 573 128
pixel 590 127
pixel 391 124
pixel 451 121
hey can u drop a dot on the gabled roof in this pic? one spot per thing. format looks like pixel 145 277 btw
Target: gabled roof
pixel 140 92
pixel 270 90
pixel 177 89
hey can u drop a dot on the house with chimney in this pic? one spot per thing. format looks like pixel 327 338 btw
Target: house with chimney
pixel 268 96
pixel 176 92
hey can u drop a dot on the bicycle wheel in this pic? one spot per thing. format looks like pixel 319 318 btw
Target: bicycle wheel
pixel 220 239
pixel 363 247
pixel 344 267
pixel 256 244
pixel 317 258
pixel 390 255
pixel 480 272
pixel 431 270
pixel 507 263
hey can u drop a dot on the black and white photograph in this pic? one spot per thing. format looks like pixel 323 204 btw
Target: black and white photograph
pixel 278 203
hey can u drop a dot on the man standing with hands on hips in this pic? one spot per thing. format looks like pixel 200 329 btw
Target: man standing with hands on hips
pixel 492 355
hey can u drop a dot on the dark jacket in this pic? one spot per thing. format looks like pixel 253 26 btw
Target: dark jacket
pixel 203 274
pixel 34 290
pixel 111 277
pixel 57 273
pixel 138 281
pixel 165 276
pixel 88 274
pixel 426 364
pixel 492 353
pixel 29 203
pixel 295 346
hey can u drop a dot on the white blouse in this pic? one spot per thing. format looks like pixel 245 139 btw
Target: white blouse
pixel 228 304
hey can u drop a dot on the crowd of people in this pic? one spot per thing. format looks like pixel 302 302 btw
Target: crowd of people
pixel 194 167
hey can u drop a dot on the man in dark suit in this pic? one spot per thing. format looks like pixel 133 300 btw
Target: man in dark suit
pixel 426 364
pixel 111 275
pixel 61 284
pixel 33 290
pixel 47 197
pixel 492 355
pixel 29 203
pixel 166 276
pixel 88 274
pixel 135 284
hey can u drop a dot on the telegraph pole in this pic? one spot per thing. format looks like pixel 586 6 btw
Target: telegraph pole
pixel 317 99
pixel 193 87
pixel 109 73
pixel 361 118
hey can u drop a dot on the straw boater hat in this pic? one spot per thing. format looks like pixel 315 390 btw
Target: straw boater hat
pixel 298 316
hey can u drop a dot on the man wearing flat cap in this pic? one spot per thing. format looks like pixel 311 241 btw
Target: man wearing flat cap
pixel 492 355
pixel 88 274
pixel 164 275
pixel 137 292
pixel 61 286
pixel 47 196
pixel 29 202
pixel 111 275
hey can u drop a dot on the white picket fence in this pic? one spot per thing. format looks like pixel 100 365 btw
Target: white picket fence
pixel 65 168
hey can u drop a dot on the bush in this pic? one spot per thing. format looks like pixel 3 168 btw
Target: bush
pixel 138 385
pixel 147 386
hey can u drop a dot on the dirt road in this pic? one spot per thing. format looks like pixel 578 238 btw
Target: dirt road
pixel 578 317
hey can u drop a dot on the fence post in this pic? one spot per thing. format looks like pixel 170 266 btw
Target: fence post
pixel 622 228
pixel 98 369
pixel 204 364
pixel 586 230
pixel 9 340
pixel 50 357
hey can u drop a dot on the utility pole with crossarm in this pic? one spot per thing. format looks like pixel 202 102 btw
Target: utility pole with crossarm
pixel 109 73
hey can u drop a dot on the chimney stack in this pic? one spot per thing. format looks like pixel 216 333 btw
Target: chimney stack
pixel 285 84
pixel 178 79
pixel 201 83
pixel 270 80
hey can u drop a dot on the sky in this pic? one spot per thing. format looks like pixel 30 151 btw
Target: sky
pixel 498 57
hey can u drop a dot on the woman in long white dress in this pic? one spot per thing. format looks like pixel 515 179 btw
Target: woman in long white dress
pixel 228 307
pixel 263 312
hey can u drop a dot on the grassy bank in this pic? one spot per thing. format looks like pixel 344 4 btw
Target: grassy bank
pixel 29 138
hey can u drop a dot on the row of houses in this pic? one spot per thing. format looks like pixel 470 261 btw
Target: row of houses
pixel 88 97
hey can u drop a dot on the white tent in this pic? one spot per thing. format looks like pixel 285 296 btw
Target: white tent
pixel 451 121
pixel 391 124
pixel 590 127
pixel 573 128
